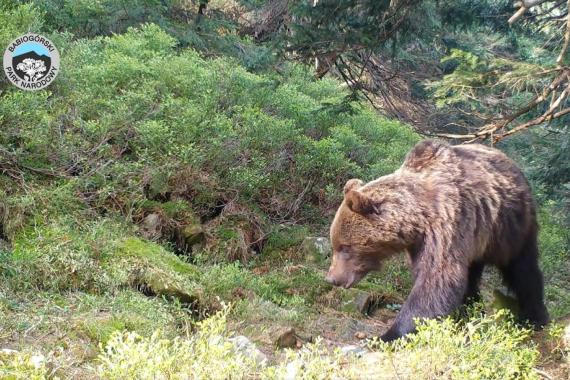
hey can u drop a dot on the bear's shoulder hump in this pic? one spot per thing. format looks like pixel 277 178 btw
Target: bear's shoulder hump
pixel 426 153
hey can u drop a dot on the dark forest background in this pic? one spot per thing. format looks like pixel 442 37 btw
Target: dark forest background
pixel 190 153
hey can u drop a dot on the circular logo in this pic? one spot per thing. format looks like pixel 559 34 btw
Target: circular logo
pixel 31 62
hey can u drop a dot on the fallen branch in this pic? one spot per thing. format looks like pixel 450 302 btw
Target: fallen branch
pixel 8 163
pixel 524 5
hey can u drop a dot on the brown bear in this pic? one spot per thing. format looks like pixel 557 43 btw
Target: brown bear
pixel 453 209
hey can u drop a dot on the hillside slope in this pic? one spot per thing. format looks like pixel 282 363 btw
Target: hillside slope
pixel 151 185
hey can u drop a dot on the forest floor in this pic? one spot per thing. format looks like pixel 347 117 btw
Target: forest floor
pixel 365 314
pixel 70 331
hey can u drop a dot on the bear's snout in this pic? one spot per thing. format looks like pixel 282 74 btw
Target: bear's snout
pixel 330 279
pixel 344 279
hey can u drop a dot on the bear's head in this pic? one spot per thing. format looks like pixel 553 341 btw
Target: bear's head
pixel 372 223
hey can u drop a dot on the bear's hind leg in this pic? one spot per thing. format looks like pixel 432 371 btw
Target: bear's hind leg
pixel 523 276
pixel 475 272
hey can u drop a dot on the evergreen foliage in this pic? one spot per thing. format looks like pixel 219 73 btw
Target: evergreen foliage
pixel 203 116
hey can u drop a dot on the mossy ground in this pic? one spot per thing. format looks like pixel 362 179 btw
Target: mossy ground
pixel 138 123
pixel 139 286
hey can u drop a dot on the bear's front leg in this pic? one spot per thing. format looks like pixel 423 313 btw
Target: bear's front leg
pixel 403 325
pixel 432 296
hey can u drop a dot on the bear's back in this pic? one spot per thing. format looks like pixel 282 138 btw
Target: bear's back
pixel 479 163
pixel 468 165
pixel 487 189
pixel 495 188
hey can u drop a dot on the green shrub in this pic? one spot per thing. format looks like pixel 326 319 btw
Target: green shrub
pixel 90 18
pixel 554 247
pixel 16 365
pixel 482 348
pixel 207 354
pixel 554 240
pixel 488 347
pixel 133 105
pixel 128 310
pixel 61 257
pixel 17 19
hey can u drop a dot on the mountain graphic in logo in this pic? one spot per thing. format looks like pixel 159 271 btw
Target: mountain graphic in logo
pixel 31 66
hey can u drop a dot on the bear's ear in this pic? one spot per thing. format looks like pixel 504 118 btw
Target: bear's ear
pixel 352 184
pixel 360 203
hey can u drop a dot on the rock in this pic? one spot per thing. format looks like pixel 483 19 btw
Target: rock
pixel 160 284
pixel 244 346
pixel 287 339
pixel 366 302
pixel 316 249
pixel 355 300
pixel 151 227
pixel 360 335
pixel 37 360
pixel 353 350
pixel 292 370
pixel 190 237
pixel 193 234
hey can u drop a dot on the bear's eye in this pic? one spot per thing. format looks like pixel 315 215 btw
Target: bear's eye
pixel 344 254
pixel 379 210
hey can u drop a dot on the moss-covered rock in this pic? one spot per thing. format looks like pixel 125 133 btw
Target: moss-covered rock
pixel 174 222
pixel 236 235
pixel 355 300
pixel 155 271
pixel 316 249
pixel 152 225
pixel 193 234
pixel 359 301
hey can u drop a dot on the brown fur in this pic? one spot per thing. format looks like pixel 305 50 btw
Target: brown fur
pixel 453 209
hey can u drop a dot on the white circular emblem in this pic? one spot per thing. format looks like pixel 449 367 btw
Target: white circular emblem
pixel 31 62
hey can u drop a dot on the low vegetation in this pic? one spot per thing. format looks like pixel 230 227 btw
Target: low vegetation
pixel 173 169
pixel 485 347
